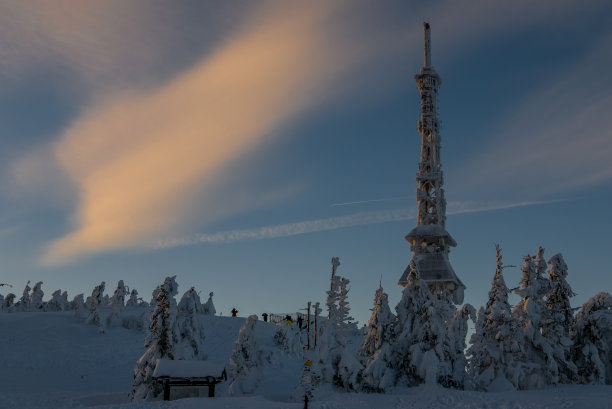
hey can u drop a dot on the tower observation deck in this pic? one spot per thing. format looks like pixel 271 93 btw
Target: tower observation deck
pixel 429 240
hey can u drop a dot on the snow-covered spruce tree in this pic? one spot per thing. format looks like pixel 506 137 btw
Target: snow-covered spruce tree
pixel 209 307
pixel 78 305
pixel 539 367
pixel 189 327
pixel 380 325
pixel 159 343
pixel 558 319
pixel 457 331
pixel 541 267
pixel 343 306
pixel 24 302
pixel 245 370
pixel 420 348
pixel 56 303
pixel 338 365
pixel 94 317
pixel 592 335
pixel 495 343
pixel 117 301
pixel 378 374
pixel 36 298
pixel 9 302
pixel 133 300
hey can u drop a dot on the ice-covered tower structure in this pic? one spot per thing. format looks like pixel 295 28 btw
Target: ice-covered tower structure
pixel 429 240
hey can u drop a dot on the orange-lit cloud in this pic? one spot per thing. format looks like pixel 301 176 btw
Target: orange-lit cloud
pixel 138 158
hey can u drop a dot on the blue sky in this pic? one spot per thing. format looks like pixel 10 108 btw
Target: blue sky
pixel 241 145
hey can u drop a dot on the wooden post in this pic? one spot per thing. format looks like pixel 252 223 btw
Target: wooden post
pixel 166 389
pixel 308 327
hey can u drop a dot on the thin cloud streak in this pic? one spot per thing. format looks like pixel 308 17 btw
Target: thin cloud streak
pixel 331 223
pixel 365 201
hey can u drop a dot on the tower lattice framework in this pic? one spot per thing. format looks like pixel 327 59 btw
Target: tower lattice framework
pixel 429 240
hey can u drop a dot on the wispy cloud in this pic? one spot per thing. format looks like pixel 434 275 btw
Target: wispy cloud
pixel 331 223
pixel 557 140
pixel 138 159
pixel 366 201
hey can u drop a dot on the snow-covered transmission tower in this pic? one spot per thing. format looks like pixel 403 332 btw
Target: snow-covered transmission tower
pixel 429 240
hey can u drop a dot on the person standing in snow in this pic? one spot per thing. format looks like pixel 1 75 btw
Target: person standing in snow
pixel 265 316
pixel 300 321
pixel 234 312
pixel 289 321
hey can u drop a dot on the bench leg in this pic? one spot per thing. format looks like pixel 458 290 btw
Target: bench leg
pixel 166 391
pixel 211 390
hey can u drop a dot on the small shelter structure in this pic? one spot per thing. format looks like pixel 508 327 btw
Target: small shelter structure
pixel 187 379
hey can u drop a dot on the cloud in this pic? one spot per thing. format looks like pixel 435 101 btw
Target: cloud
pixel 331 223
pixel 556 141
pixel 140 159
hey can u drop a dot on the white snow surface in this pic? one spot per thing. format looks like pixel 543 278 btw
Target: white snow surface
pixel 52 360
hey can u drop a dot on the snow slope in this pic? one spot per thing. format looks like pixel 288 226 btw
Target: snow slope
pixel 52 360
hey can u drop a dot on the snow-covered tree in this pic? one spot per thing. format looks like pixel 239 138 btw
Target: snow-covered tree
pixel 36 298
pixel 495 343
pixel 457 331
pixel 592 335
pixel 338 365
pixel 209 307
pixel 343 306
pixel 190 302
pixel 117 301
pixel 245 370
pixel 57 302
pixel 133 300
pixel 24 302
pixel 78 305
pixel 189 327
pixel 378 374
pixel 159 342
pixel 421 345
pixel 94 317
pixel 541 267
pixel 539 367
pixel 380 325
pixel 558 319
pixel 9 301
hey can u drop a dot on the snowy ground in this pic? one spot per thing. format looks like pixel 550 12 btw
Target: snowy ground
pixel 52 360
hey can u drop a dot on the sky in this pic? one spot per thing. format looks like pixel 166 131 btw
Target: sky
pixel 241 145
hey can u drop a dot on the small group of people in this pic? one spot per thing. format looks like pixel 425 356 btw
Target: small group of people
pixel 288 319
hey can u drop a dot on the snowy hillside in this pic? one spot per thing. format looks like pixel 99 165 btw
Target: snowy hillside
pixel 53 360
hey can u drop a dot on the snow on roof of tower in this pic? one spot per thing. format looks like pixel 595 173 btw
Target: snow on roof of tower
pixel 422 231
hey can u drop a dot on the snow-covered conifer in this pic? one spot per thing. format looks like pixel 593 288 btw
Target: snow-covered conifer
pixel 209 307
pixel 539 367
pixel 159 342
pixel 420 348
pixel 558 319
pixel 336 361
pixel 541 267
pixel 56 303
pixel 117 302
pixel 378 374
pixel 457 331
pixel 495 343
pixel 78 305
pixel 592 336
pixel 24 302
pixel 245 367
pixel 9 301
pixel 36 298
pixel 133 300
pixel 343 304
pixel 189 327
pixel 94 316
pixel 380 325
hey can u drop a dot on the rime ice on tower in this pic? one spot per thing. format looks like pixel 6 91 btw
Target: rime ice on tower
pixel 429 240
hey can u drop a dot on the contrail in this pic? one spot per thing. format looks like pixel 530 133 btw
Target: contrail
pixel 366 201
pixel 333 223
